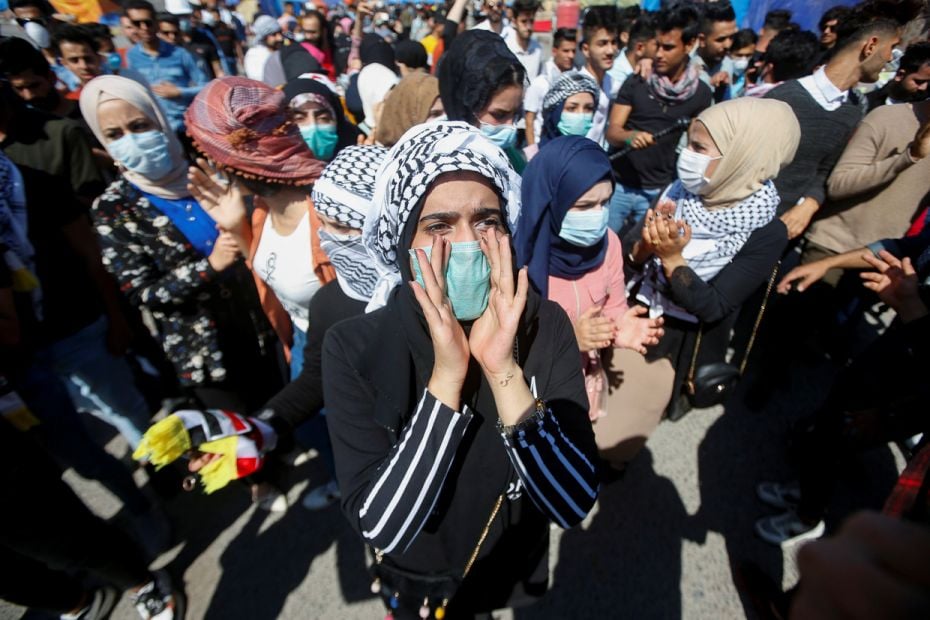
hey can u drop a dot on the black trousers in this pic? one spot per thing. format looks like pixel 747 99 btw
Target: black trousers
pixel 48 536
pixel 881 396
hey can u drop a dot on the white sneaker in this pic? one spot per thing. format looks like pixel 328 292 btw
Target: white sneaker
pixel 781 495
pixel 321 497
pixel 269 498
pixel 787 529
pixel 157 600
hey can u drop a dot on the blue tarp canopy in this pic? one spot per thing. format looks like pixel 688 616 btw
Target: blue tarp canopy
pixel 805 12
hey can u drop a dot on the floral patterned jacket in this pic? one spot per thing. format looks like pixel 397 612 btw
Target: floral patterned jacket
pixel 159 270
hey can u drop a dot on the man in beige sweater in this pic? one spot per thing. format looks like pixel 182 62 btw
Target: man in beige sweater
pixel 878 184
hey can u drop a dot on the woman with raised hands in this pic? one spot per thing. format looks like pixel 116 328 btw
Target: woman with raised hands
pixel 711 242
pixel 456 406
pixel 246 131
pixel 576 261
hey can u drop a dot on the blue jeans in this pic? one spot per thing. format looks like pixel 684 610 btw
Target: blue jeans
pixel 628 205
pixel 297 352
pixel 64 436
pixel 100 382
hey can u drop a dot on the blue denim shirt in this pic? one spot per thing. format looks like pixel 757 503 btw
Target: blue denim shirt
pixel 174 65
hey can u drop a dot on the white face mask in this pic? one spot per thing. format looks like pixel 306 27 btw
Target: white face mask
pixel 740 65
pixel 691 168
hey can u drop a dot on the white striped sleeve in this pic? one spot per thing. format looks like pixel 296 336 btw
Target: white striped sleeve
pixel 408 484
pixel 559 478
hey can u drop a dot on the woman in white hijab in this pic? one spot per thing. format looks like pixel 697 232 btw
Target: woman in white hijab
pixel 169 258
pixel 711 242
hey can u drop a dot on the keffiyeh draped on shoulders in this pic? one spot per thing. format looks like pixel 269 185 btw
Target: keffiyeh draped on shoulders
pixel 716 237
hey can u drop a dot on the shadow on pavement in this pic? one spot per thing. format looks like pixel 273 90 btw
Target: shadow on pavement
pixel 259 569
pixel 630 554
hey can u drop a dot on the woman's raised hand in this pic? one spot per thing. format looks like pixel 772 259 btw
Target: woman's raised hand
pixel 222 201
pixel 450 346
pixel 493 334
pixel 667 236
pixel 636 331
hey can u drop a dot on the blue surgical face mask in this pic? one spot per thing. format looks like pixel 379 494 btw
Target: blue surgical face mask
pixel 504 136
pixel 321 139
pixel 468 278
pixel 740 65
pixel 585 228
pixel 575 123
pixel 144 153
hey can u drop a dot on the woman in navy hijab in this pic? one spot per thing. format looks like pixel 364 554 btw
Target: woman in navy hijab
pixel 574 260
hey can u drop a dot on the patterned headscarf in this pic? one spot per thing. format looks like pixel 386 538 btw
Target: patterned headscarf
pixel 421 155
pixel 568 84
pixel 344 193
pixel 316 87
pixel 243 126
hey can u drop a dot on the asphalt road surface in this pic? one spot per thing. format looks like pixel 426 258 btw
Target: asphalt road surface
pixel 661 543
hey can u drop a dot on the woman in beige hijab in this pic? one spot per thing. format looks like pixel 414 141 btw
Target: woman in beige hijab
pixel 712 240
pixel 414 100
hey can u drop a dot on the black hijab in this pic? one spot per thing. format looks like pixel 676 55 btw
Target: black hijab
pixel 348 133
pixel 374 49
pixel 297 61
pixel 475 67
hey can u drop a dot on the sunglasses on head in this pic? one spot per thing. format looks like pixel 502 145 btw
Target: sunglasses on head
pixel 22 21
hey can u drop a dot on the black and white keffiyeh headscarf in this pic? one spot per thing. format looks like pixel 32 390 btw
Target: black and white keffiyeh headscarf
pixel 717 235
pixel 409 169
pixel 344 193
pixel 568 84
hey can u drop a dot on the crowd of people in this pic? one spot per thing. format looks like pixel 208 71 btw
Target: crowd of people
pixel 489 268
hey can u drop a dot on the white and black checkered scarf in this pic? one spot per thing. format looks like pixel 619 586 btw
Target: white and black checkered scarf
pixel 344 193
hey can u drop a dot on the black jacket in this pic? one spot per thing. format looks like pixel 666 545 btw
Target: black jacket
pixel 419 480
pixel 715 303
pixel 302 398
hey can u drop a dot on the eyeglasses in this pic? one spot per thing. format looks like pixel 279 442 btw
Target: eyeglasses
pixel 169 33
pixel 139 23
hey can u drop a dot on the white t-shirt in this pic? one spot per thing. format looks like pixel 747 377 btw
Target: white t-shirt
pixel 285 263
pixel 608 93
pixel 530 58
pixel 622 69
pixel 254 62
pixel 536 93
pixel 486 25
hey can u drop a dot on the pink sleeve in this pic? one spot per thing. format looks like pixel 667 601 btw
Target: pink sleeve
pixel 616 286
